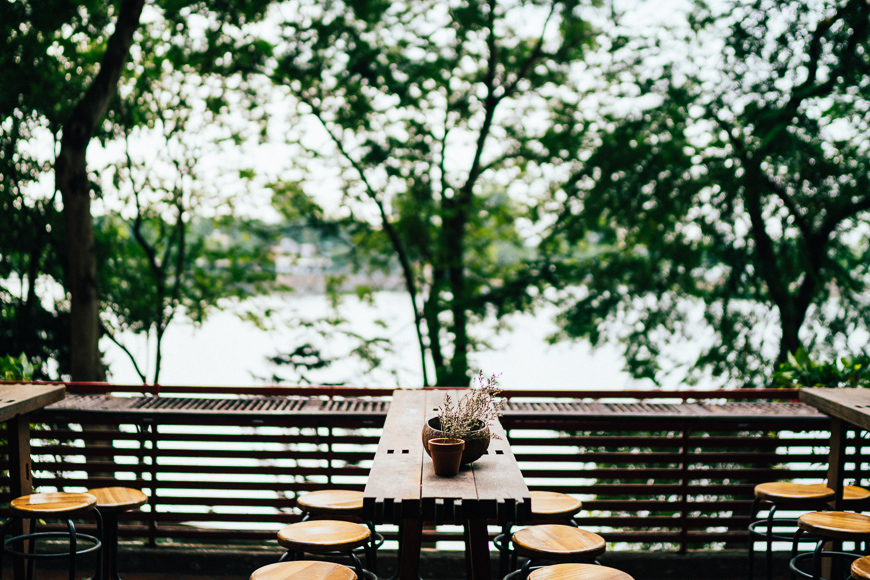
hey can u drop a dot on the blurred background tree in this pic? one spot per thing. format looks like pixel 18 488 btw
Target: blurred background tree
pixel 728 208
pixel 446 122
pixel 694 192
pixel 61 66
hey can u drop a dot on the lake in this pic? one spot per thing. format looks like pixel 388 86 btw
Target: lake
pixel 229 351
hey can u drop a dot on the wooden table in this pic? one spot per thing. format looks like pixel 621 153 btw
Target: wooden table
pixel 403 489
pixel 846 407
pixel 17 402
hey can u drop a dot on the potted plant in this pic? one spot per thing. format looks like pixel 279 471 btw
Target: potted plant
pixel 468 418
pixel 446 455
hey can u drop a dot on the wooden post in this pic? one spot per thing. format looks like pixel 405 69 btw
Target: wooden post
pixel 836 478
pixel 20 480
pixel 409 566
pixel 477 563
pixel 837 460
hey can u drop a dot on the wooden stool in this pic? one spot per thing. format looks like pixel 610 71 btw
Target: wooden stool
pixel 554 542
pixel 774 495
pixel 578 572
pixel 861 568
pixel 546 505
pixel 304 570
pixel 59 505
pixel 327 537
pixel 111 501
pixel 338 503
pixel 855 497
pixel 825 527
pixel 332 502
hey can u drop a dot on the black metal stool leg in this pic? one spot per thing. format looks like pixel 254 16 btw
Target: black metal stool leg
pixel 503 546
pixel 769 554
pixel 109 559
pixel 31 549
pixel 72 549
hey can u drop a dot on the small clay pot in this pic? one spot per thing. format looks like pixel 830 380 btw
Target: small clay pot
pixel 446 455
pixel 476 442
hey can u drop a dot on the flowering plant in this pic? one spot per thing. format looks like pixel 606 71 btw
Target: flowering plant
pixel 476 409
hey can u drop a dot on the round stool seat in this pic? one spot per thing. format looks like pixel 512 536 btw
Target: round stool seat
pixel 554 504
pixel 118 499
pixel 853 493
pixel 781 491
pixel 57 504
pixel 323 536
pixel 861 568
pixel 578 572
pixel 332 501
pixel 836 525
pixel 558 542
pixel 304 570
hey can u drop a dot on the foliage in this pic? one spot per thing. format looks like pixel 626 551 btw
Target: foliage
pixel 176 247
pixel 322 340
pixel 722 220
pixel 801 371
pixel 15 369
pixel 48 51
pixel 50 57
pixel 476 408
pixel 421 110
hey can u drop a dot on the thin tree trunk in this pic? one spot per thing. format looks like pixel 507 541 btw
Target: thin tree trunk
pixel 71 179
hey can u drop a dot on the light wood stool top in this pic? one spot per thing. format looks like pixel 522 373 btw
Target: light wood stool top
pixel 304 570
pixel 552 503
pixel 784 491
pixel 118 499
pixel 861 568
pixel 855 493
pixel 332 501
pixel 53 504
pixel 558 542
pixel 578 572
pixel 321 536
pixel 836 525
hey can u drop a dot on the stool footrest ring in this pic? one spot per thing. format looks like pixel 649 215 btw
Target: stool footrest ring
pixel 793 564
pixel 41 535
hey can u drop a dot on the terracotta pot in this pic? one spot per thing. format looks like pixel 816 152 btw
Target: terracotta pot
pixel 446 455
pixel 476 442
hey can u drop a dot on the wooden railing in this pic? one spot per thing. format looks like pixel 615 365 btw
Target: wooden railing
pixel 675 470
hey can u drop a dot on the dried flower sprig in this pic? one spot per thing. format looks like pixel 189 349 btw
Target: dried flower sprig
pixel 477 408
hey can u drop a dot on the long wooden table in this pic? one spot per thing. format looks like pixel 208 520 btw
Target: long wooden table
pixel 403 489
pixel 845 407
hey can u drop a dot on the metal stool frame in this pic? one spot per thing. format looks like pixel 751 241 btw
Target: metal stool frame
pixel 33 537
pixel 816 555
pixel 768 535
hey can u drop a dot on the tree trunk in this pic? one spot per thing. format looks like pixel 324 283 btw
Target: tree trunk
pixel 71 179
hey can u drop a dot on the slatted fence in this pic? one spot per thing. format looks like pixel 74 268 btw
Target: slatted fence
pixel 218 464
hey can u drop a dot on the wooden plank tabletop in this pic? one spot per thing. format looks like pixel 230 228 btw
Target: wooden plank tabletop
pixel 499 478
pixel 403 485
pixel 443 497
pixel 851 405
pixel 392 492
pixel 19 399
